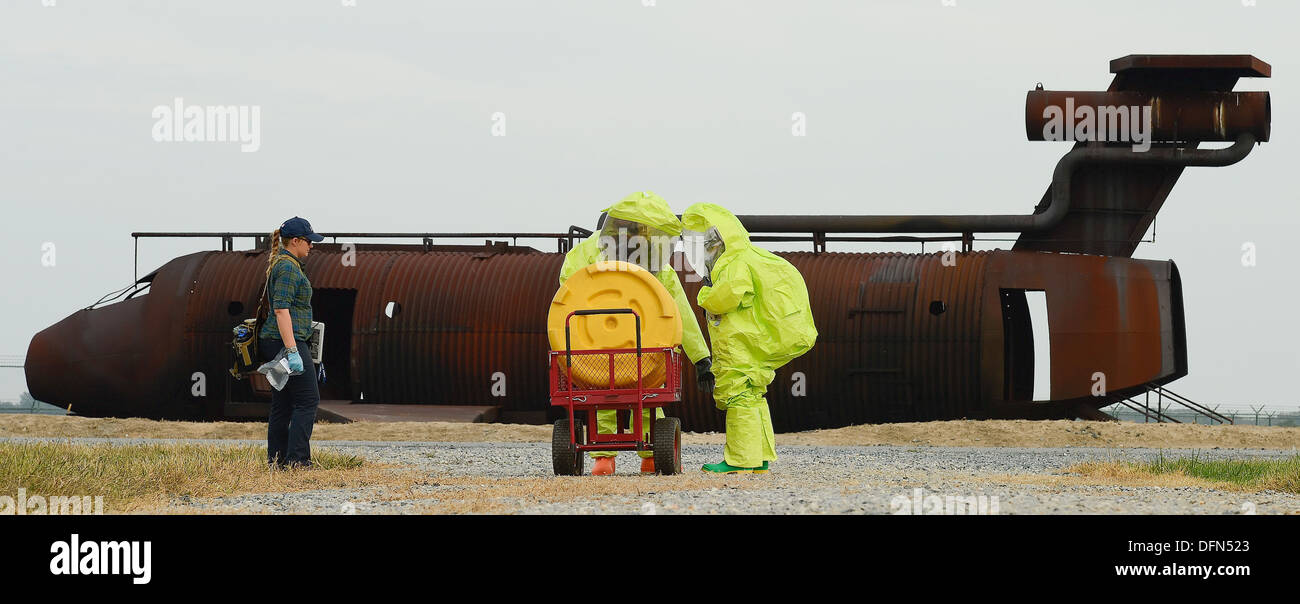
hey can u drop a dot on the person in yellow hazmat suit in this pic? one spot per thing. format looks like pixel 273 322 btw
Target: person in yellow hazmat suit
pixel 756 306
pixel 640 229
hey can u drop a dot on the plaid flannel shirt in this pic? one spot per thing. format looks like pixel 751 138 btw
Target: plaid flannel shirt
pixel 288 288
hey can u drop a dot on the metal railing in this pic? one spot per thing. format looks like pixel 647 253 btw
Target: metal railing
pixel 1165 400
pixel 1170 407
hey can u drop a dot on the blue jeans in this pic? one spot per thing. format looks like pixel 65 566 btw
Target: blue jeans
pixel 293 410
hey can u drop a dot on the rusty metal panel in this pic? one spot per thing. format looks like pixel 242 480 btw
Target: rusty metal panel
pixel 893 359
pixel 949 371
pixel 464 318
pixel 1114 316
pixel 904 337
pixel 130 358
pixel 1187 67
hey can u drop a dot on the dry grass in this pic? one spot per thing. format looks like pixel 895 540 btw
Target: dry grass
pixel 72 427
pixel 959 433
pixel 147 477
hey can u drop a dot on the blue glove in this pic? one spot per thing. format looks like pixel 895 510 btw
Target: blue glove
pixel 295 361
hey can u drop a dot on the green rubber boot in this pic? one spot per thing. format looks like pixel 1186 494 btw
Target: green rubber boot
pixel 761 469
pixel 724 468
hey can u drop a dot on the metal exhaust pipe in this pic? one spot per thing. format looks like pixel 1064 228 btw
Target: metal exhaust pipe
pixel 1026 223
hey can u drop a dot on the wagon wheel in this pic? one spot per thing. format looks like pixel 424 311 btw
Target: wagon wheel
pixel 668 445
pixel 564 455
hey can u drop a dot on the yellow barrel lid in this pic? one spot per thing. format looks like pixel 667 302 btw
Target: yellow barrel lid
pixel 614 284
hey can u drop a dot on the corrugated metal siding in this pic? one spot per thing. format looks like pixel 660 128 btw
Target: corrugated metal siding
pixel 946 360
pixel 465 316
pixel 872 314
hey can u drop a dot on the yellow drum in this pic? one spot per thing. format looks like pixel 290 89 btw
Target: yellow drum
pixel 609 285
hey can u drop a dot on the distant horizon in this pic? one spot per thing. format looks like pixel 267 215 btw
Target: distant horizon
pixel 1223 407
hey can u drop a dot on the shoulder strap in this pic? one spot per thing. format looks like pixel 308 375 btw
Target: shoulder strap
pixel 261 300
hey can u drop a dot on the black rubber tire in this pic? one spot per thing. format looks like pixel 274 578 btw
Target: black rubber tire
pixel 565 457
pixel 668 445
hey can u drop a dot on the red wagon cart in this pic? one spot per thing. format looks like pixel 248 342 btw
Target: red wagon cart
pixel 626 379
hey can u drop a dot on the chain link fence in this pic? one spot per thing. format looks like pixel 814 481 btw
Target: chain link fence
pixel 27 404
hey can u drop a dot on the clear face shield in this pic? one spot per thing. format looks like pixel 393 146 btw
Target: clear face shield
pixel 635 243
pixel 702 249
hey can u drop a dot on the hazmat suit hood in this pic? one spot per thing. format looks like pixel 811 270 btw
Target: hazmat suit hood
pixel 711 233
pixel 648 209
pixel 701 216
pixel 640 229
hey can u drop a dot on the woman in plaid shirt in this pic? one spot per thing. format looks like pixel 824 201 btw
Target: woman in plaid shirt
pixel 293 409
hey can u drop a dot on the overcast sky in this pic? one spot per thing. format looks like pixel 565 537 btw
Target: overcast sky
pixel 379 117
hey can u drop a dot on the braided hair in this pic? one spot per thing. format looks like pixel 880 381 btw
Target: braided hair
pixel 277 244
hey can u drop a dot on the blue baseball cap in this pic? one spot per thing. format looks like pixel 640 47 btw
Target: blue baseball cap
pixel 299 227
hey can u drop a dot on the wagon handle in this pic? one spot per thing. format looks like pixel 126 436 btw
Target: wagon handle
pixel 568 347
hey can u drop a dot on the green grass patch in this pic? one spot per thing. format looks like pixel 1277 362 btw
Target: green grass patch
pixel 141 476
pixel 1281 474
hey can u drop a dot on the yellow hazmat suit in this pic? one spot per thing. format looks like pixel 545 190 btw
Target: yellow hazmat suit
pixel 652 212
pixel 759 319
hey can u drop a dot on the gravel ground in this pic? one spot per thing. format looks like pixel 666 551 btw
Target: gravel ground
pixel 517 478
